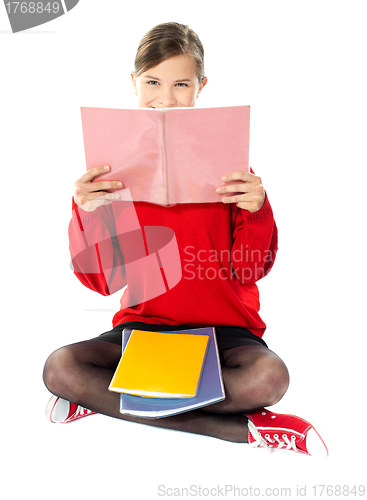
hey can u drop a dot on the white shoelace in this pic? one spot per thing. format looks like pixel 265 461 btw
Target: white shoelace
pixel 81 411
pixel 286 444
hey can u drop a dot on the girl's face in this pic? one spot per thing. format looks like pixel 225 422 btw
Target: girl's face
pixel 171 84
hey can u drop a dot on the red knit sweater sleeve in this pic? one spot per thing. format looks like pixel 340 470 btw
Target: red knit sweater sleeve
pixel 254 242
pixel 94 250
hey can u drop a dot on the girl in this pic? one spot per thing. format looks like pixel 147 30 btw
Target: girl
pixel 169 72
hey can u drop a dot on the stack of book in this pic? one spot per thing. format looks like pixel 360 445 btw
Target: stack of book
pixel 164 373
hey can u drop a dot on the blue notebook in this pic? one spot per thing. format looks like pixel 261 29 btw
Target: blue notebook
pixel 211 389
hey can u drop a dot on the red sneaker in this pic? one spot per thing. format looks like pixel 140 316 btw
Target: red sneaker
pixel 274 430
pixel 59 410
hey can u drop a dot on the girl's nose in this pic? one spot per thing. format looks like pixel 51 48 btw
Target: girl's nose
pixel 167 98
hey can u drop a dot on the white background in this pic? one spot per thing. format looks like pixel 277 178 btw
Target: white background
pixel 301 67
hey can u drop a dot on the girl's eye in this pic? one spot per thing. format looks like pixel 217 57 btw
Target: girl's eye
pixel 154 83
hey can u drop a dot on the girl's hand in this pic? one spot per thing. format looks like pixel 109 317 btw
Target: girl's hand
pixel 91 195
pixel 253 196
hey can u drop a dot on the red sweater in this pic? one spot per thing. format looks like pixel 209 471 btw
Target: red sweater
pixel 224 250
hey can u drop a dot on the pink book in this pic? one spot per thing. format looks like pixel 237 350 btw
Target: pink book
pixel 168 156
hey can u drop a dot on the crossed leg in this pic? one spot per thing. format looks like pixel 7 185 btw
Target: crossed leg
pixel 253 377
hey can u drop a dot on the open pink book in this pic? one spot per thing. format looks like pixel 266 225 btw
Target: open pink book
pixel 168 156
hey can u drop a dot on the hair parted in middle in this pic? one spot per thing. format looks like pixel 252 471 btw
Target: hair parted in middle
pixel 167 40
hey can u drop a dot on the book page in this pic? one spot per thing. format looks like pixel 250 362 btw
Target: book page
pixel 129 141
pixel 170 156
pixel 202 145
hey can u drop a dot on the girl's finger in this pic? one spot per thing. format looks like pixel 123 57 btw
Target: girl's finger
pixel 92 173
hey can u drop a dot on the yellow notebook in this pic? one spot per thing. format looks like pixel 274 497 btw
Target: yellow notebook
pixel 163 365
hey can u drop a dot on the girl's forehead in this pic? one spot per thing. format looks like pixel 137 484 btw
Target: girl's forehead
pixel 181 65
